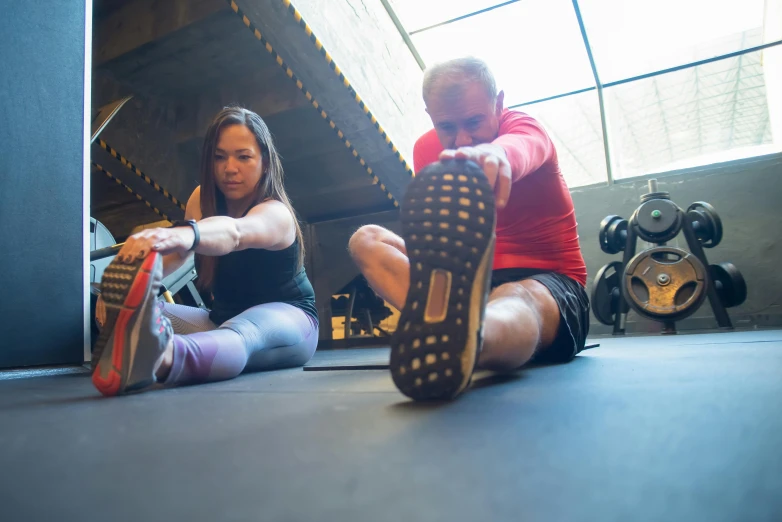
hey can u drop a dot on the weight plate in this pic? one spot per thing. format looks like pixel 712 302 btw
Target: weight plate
pixel 658 220
pixel 665 283
pixel 702 211
pixel 729 283
pixel 655 195
pixel 604 225
pixel 605 292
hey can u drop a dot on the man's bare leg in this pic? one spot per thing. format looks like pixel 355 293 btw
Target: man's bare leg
pixel 520 318
pixel 436 345
pixel 381 256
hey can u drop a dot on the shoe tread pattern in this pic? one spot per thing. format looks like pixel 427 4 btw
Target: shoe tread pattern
pixel 447 218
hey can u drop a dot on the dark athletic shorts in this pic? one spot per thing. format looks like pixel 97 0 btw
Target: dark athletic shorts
pixel 573 303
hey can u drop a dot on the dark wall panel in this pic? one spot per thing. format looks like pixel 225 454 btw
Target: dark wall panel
pixel 41 182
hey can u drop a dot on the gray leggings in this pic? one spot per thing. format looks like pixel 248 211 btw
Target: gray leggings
pixel 265 337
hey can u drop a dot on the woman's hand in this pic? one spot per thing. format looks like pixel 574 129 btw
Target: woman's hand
pixel 162 240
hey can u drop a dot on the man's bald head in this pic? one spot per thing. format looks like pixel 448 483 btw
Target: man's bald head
pixel 447 79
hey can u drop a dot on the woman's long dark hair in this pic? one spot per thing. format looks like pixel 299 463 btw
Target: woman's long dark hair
pixel 270 186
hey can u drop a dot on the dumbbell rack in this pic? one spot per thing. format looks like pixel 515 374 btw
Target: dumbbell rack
pixel 657 221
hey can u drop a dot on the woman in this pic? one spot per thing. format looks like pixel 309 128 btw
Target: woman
pixel 249 254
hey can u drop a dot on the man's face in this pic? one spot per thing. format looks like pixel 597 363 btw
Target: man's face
pixel 466 119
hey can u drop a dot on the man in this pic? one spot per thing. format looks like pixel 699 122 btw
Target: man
pixel 462 308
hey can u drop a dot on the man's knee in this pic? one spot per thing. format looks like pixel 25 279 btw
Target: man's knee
pixel 362 239
pixel 528 302
pixel 515 290
pixel 365 240
pixel 530 295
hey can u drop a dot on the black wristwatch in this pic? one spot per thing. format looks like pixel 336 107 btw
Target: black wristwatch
pixel 190 223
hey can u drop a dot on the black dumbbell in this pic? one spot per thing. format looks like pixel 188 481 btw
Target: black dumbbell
pixel 604 299
pixel 729 283
pixel 613 234
pixel 706 223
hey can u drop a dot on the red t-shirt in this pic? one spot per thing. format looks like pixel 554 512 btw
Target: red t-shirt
pixel 537 229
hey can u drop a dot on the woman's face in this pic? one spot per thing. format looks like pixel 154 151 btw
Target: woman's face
pixel 238 165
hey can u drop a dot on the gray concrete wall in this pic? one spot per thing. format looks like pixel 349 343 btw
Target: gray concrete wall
pixel 365 43
pixel 747 194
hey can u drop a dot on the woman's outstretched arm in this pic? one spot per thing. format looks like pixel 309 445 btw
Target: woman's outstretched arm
pixel 268 225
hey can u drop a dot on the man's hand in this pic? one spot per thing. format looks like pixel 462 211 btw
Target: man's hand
pixel 163 240
pixel 495 165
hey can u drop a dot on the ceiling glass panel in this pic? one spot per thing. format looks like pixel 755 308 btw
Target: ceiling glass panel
pixel 534 48
pixel 634 37
pixel 418 14
pixel 707 114
pixel 573 123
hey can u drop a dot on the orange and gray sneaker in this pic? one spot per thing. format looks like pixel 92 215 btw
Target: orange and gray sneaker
pixel 448 220
pixel 135 335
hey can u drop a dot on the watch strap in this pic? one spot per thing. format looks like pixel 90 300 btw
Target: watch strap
pixel 190 223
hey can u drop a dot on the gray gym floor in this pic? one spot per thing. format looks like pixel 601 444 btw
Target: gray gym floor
pixel 642 428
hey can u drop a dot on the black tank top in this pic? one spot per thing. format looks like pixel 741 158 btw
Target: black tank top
pixel 254 276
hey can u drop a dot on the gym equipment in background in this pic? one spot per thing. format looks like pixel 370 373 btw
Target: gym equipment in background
pixel 100 238
pixel 103 249
pixel 173 283
pixel 105 115
pixel 362 309
pixel 664 283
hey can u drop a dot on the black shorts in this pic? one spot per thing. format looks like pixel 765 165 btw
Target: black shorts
pixel 573 303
